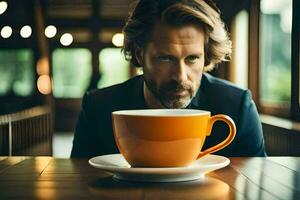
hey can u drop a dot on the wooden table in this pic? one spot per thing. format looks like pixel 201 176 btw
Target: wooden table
pixel 49 178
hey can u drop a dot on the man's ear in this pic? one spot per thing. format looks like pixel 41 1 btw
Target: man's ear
pixel 139 55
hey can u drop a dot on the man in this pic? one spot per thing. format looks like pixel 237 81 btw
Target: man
pixel 175 41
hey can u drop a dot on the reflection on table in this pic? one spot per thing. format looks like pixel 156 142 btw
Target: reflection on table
pixel 50 178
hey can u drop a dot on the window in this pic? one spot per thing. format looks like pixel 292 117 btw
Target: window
pixel 17 74
pixel 274 57
pixel 113 67
pixel 295 107
pixel 239 62
pixel 72 70
pixel 275 52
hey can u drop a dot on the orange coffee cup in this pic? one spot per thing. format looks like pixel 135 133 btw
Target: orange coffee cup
pixel 166 137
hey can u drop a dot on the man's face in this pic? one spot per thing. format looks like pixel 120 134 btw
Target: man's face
pixel 173 64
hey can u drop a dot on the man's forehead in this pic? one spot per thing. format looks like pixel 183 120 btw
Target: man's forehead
pixel 185 34
pixel 177 41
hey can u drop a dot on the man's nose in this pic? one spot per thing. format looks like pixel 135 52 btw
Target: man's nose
pixel 179 72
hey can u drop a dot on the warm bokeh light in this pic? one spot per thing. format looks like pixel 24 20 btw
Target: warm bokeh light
pixel 25 31
pixel 3 7
pixel 50 31
pixel 42 67
pixel 118 39
pixel 6 32
pixel 66 39
pixel 44 84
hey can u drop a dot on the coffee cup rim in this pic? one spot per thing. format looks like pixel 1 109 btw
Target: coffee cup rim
pixel 161 112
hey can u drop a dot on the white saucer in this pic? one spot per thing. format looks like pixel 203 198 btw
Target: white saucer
pixel 116 164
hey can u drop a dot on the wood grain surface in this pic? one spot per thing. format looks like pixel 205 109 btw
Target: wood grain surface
pixel 245 178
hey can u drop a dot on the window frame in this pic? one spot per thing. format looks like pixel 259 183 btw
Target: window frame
pixel 295 93
pixel 292 111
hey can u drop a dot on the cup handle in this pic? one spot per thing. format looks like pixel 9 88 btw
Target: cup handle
pixel 224 143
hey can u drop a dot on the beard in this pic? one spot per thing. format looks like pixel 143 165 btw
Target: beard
pixel 167 93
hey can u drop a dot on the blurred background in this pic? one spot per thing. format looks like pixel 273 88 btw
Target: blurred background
pixel 53 51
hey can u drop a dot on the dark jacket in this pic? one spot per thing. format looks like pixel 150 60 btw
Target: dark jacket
pixel 93 135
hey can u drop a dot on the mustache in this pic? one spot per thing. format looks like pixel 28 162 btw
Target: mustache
pixel 175 86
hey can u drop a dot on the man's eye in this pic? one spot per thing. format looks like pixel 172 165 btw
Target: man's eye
pixel 193 58
pixel 165 58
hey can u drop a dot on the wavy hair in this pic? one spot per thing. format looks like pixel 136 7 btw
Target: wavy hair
pixel 139 26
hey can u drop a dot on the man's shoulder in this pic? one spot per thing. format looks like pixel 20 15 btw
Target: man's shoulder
pixel 221 84
pixel 117 89
pixel 221 88
pixel 112 95
pixel 225 97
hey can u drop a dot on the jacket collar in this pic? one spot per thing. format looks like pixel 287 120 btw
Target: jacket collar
pixel 200 99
